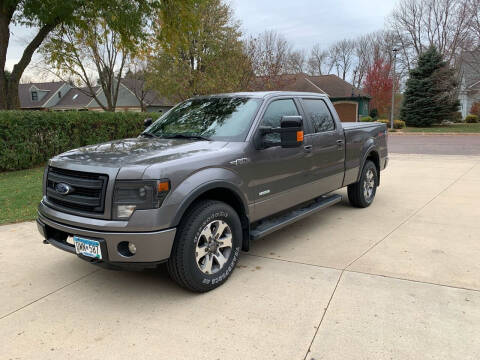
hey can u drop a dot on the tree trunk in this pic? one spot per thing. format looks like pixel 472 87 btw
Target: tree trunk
pixel 5 18
pixel 9 86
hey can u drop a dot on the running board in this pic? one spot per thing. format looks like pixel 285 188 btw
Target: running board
pixel 275 223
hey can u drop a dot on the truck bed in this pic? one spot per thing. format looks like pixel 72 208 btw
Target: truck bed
pixel 348 126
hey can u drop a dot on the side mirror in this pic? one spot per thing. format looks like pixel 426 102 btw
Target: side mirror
pixel 147 122
pixel 292 131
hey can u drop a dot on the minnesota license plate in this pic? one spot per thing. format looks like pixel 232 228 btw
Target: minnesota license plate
pixel 87 247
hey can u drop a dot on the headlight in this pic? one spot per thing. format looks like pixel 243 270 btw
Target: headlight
pixel 129 196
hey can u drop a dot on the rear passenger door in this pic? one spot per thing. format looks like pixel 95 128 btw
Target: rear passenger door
pixel 328 148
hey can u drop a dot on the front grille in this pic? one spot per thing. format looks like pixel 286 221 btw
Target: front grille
pixel 87 192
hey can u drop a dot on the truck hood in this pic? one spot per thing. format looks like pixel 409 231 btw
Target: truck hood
pixel 137 151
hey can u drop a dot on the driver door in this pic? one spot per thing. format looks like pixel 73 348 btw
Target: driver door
pixel 279 175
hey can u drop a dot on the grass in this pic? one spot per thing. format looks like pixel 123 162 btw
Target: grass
pixel 454 128
pixel 20 193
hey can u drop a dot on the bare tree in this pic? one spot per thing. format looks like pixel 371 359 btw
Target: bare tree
pixel 341 55
pixel 363 58
pixel 135 78
pixel 317 63
pixel 297 62
pixel 270 53
pixel 444 24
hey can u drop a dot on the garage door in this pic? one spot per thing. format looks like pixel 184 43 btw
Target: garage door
pixel 347 112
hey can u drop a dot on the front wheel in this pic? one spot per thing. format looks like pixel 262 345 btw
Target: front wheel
pixel 362 193
pixel 207 246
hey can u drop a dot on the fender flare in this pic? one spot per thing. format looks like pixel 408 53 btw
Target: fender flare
pixel 371 148
pixel 203 188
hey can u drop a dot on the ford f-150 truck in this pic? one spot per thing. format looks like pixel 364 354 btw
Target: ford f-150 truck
pixel 206 178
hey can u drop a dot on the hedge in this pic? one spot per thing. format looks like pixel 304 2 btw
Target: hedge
pixel 366 119
pixel 30 138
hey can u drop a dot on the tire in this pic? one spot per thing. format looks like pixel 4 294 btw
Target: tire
pixel 201 258
pixel 362 193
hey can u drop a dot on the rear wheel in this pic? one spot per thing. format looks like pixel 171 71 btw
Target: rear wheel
pixel 362 193
pixel 207 246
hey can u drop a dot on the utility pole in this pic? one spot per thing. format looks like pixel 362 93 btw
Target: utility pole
pixel 393 87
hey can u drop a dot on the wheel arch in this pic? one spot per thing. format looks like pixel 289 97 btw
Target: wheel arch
pixel 221 191
pixel 372 155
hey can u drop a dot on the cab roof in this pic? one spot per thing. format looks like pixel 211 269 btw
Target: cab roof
pixel 264 94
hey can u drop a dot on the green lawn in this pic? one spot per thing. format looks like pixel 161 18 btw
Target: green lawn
pixel 20 193
pixel 454 128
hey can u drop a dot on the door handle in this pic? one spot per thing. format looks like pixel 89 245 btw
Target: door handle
pixel 307 148
pixel 340 143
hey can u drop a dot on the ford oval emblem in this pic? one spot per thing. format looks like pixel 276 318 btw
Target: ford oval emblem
pixel 63 189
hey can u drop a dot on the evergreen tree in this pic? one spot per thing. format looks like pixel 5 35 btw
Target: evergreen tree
pixel 430 92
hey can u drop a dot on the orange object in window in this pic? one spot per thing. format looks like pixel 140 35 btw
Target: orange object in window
pixel 299 135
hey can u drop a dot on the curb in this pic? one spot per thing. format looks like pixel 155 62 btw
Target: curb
pixel 400 133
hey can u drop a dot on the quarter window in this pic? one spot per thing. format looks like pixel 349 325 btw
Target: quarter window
pixel 321 117
pixel 273 115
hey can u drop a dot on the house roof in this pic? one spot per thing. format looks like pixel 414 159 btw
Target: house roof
pixel 25 96
pixel 331 85
pixel 75 98
pixel 151 97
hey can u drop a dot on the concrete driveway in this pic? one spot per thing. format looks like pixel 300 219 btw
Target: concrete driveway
pixel 398 280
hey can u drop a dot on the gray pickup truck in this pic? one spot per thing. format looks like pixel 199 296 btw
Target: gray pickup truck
pixel 206 178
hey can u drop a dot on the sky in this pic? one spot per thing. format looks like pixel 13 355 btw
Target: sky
pixel 303 22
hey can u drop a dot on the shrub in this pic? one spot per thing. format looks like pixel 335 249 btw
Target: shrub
pixel 399 124
pixel 366 119
pixel 374 114
pixel 29 138
pixel 471 118
pixel 385 121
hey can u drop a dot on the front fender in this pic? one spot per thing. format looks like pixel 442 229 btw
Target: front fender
pixel 200 182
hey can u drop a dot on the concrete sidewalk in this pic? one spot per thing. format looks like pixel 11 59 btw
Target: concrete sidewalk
pixel 398 280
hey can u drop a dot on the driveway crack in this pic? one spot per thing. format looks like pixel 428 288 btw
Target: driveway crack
pixel 46 295
pixel 323 316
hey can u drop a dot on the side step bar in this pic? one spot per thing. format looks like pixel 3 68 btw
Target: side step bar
pixel 275 223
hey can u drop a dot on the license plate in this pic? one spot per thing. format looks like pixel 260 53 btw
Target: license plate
pixel 87 247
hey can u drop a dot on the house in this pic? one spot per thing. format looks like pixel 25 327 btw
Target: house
pixel 469 91
pixel 62 96
pixel 42 96
pixel 351 103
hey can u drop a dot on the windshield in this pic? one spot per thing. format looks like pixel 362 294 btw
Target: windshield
pixel 214 118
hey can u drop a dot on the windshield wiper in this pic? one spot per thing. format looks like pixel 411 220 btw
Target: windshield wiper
pixel 184 136
pixel 146 134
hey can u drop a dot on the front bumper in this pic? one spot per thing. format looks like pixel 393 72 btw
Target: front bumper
pixel 152 247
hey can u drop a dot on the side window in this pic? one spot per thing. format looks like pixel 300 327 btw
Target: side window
pixel 318 112
pixel 273 115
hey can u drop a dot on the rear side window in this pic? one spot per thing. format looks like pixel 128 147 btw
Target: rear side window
pixel 273 115
pixel 321 117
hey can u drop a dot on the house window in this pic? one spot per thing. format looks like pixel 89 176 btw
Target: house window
pixel 59 94
pixel 34 96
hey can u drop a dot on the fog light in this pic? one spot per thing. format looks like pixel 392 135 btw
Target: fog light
pixel 125 211
pixel 132 248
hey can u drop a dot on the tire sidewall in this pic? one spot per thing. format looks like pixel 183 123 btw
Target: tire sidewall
pixel 217 211
pixel 368 165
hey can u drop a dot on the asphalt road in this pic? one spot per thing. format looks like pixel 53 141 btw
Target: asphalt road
pixel 434 144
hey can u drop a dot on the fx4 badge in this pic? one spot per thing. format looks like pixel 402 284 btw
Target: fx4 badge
pixel 239 161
